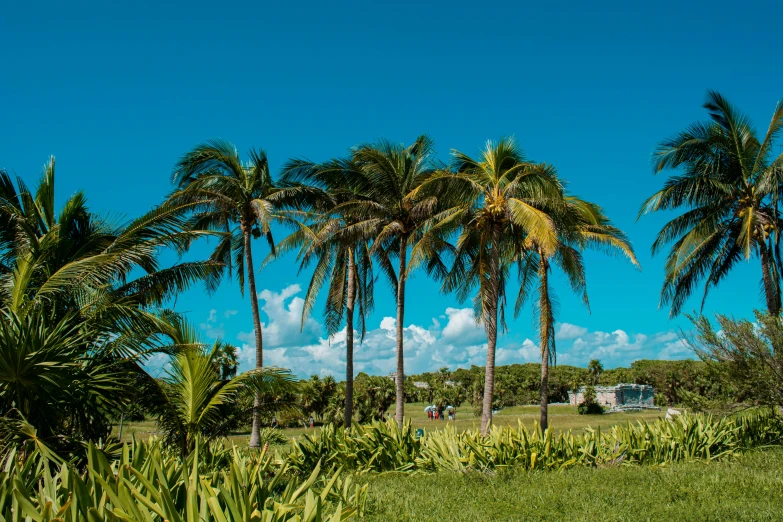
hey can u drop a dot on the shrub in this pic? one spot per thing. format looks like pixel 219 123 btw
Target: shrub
pixel 590 408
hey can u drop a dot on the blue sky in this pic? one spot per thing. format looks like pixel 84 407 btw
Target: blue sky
pixel 118 91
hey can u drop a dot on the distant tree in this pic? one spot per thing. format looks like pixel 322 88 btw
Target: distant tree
pixel 595 369
pixel 226 360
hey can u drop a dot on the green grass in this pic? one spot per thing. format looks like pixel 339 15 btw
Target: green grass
pixel 561 418
pixel 747 488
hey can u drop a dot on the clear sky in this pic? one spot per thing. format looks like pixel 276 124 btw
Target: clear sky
pixel 117 91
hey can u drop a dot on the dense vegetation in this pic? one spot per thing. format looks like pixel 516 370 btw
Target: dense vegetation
pixel 86 301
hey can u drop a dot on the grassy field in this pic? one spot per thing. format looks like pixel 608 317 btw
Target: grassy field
pixel 747 488
pixel 562 418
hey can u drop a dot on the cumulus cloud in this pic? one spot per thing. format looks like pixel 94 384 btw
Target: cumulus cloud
pixel 569 331
pixel 453 339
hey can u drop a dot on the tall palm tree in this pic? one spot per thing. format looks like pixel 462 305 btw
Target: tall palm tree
pixel 235 199
pixel 393 214
pixel 729 188
pixel 499 200
pixel 578 225
pixel 342 261
pixel 595 369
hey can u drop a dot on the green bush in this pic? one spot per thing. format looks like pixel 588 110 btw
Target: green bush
pixel 590 408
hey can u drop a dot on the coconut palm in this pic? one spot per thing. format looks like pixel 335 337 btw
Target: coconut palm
pixel 342 261
pixel 235 199
pixel 578 225
pixel 193 403
pixel 499 200
pixel 393 214
pixel 728 188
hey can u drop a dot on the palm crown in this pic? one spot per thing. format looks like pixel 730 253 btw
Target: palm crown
pixel 729 186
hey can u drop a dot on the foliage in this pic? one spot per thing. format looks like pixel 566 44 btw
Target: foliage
pixel 147 485
pixel 82 301
pixel 748 356
pixel 192 403
pixel 728 187
pixel 386 447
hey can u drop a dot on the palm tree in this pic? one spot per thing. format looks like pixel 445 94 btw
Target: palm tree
pixel 499 200
pixel 237 200
pixel 595 369
pixel 80 299
pixel 393 214
pixel 342 261
pixel 729 187
pixel 577 225
pixel 192 402
pixel 226 361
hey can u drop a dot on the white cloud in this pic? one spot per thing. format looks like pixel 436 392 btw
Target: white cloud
pixel 228 313
pixel 569 331
pixel 454 341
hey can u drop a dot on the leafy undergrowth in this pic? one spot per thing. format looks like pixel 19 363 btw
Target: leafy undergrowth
pixel 383 447
pixel 746 488
pixel 147 484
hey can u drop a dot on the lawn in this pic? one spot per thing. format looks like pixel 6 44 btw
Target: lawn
pixel 561 418
pixel 747 488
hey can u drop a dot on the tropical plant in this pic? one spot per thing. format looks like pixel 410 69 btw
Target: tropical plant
pixel 226 361
pixel 192 403
pixel 577 225
pixel 729 187
pixel 342 259
pixel 500 201
pixel 594 370
pixel 392 214
pixel 81 299
pixel 236 200
pixel 146 485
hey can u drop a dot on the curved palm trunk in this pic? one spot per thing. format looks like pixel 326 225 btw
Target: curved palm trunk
pixel 771 290
pixel 491 327
pixel 255 433
pixel 400 377
pixel 350 300
pixel 544 307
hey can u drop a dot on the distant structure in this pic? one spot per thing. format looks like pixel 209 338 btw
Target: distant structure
pixel 622 397
pixel 393 376
pixel 421 384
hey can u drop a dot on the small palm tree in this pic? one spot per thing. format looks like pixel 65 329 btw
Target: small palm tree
pixel 729 189
pixel 192 402
pixel 234 199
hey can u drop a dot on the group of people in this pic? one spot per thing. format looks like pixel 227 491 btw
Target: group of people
pixel 439 414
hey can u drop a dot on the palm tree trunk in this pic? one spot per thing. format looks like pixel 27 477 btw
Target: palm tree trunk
pixel 351 298
pixel 771 291
pixel 255 433
pixel 544 306
pixel 400 377
pixel 491 327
